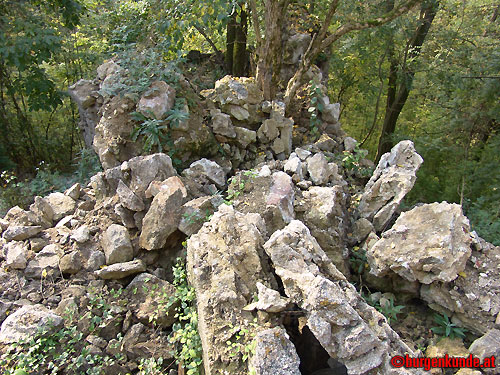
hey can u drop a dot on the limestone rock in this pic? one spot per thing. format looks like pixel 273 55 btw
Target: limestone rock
pixel 120 270
pixel 61 204
pixel 282 195
pixel 145 169
pixel 148 296
pixel 81 235
pixel 274 354
pixel 16 255
pixel 360 230
pixel 269 300
pixel 163 216
pixel 196 212
pixel 223 264
pixel 238 112
pixel 238 91
pixel 350 330
pixel 157 100
pixel 391 181
pixel 488 346
pixel 43 211
pixel 116 244
pixel 20 232
pixel 293 166
pixel 128 198
pixel 318 169
pixel 244 136
pixel 350 144
pixel 74 191
pixel 429 243
pixel 205 169
pixel 70 263
pixel 17 216
pixel 25 323
pixel 85 94
pixel 221 124
pixel 46 260
pixel 268 131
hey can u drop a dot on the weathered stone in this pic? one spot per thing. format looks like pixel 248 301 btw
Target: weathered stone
pixel 120 270
pixel 128 198
pixel 45 262
pixel 116 244
pixel 74 191
pixel 350 330
pixel 274 354
pixel 96 260
pixel 20 232
pixel 70 263
pixel 318 169
pixel 43 211
pixel 85 93
pixel 429 243
pixel 61 204
pixel 37 244
pixel 294 166
pixel 163 216
pixel 268 131
pixel 126 216
pixel 453 347
pixel 223 264
pixel 325 143
pixel 145 169
pixel 324 214
pixel 196 212
pixel 302 154
pixel 269 300
pixel 157 101
pixel 16 255
pixel 17 216
pixel 206 169
pixel 360 230
pixel 350 144
pixel 488 346
pixel 65 222
pixel 25 323
pixel 282 195
pixel 238 91
pixel 221 124
pixel 239 113
pixel 391 181
pixel 244 137
pixel 81 235
pixel 278 146
pixel 148 296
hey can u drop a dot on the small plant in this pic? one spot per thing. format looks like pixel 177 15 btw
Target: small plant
pixel 87 165
pixel 237 185
pixel 184 336
pixel 351 161
pixel 358 260
pixel 243 343
pixel 315 108
pixel 387 307
pixel 153 131
pixel 446 328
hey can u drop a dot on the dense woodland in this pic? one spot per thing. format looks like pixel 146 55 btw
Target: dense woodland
pixel 428 71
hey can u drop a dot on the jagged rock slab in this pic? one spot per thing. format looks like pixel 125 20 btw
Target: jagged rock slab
pixel 20 232
pixel 16 255
pixel 224 263
pixel 473 298
pixel 61 204
pixel 429 243
pixel 116 244
pixel 393 178
pixel 46 261
pixel 164 215
pixel 157 101
pixel 25 322
pixel 488 346
pixel 350 330
pixel 206 170
pixel 128 198
pixel 120 270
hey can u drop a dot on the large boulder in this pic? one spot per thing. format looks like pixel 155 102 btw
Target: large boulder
pixel 224 263
pixel 164 215
pixel 25 323
pixel 116 244
pixel 157 100
pixel 61 205
pixel 86 96
pixel 429 243
pixel 393 178
pixel 348 328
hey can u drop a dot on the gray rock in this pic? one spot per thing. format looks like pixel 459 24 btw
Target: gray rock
pixel 274 354
pixel 429 243
pixel 360 230
pixel 128 198
pixel 85 93
pixel 163 216
pixel 148 300
pixel 318 169
pixel 126 216
pixel 244 136
pixel 145 169
pixel 158 100
pixel 20 232
pixel 46 260
pixel 205 169
pixel 61 204
pixel 116 244
pixel 16 255
pixel 238 91
pixel 74 191
pixel 43 211
pixel 350 330
pixel 17 216
pixel 269 300
pixel 223 265
pixel 488 346
pixel 81 235
pixel 70 263
pixel 239 113
pixel 196 212
pixel 294 166
pixel 120 270
pixel 331 112
pixel 221 124
pixel 96 260
pixel 392 180
pixel 25 323
pixel 282 195
pixel 37 244
pixel 268 131
pixel 350 144
pixel 302 154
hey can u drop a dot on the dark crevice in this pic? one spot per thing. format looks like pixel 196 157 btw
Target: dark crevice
pixel 314 360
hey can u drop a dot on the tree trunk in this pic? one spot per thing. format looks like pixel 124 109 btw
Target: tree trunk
pixel 240 46
pixel 230 40
pixel 396 99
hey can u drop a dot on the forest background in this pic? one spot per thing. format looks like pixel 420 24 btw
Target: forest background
pixel 431 74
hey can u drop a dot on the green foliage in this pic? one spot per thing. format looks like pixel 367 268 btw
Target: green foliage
pixel 184 336
pixel 54 349
pixel 351 161
pixel 237 185
pixel 447 328
pixel 87 165
pixel 151 366
pixel 242 342
pixel 387 307
pixel 358 260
